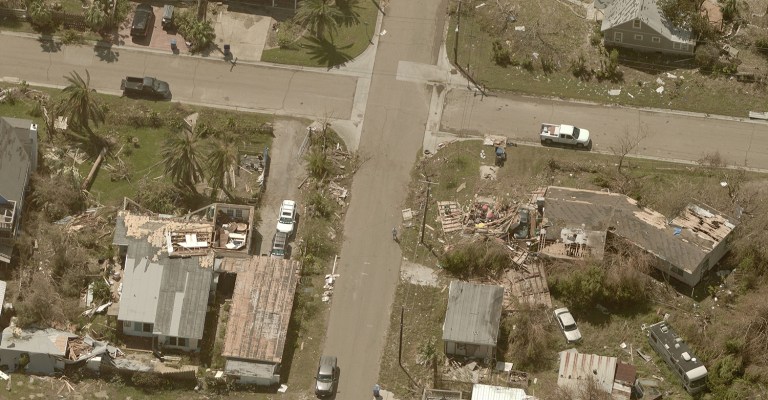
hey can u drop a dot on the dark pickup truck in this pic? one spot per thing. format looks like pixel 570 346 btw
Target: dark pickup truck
pixel 145 87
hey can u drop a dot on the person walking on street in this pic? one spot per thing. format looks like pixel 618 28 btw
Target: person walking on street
pixel 394 234
pixel 376 391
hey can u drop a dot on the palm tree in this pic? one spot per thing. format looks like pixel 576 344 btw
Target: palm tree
pixel 350 12
pixel 319 15
pixel 81 104
pixel 222 159
pixel 183 155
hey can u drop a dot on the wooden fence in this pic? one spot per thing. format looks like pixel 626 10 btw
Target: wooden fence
pixel 67 20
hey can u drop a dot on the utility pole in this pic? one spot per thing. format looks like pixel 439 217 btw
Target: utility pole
pixel 400 349
pixel 456 41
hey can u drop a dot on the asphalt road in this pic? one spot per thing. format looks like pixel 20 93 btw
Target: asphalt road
pixel 392 134
pixel 668 135
pixel 196 80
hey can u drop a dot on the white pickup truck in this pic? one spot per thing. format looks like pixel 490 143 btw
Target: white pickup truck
pixel 565 134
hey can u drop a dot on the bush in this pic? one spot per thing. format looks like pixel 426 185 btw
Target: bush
pixel 200 33
pixel 548 65
pixel 320 205
pixel 501 54
pixel 706 56
pixel 761 45
pixel 531 341
pixel 582 288
pixel 57 196
pixel 159 196
pixel 610 68
pixel 149 380
pixel 101 291
pixel 72 36
pixel 580 69
pixel 476 259
pixel 40 304
pixel 318 164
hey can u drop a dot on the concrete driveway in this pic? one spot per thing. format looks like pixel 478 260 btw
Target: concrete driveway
pixel 285 175
pixel 245 33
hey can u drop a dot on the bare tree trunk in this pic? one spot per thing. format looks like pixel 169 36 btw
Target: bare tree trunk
pixel 87 182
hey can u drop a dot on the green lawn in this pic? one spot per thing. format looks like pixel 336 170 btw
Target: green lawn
pixel 129 118
pixel 348 42
pixel 690 90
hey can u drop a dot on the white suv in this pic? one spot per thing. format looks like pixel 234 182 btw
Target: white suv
pixel 287 217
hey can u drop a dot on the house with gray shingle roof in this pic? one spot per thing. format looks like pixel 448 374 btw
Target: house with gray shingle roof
pixel 18 160
pixel 684 247
pixel 640 25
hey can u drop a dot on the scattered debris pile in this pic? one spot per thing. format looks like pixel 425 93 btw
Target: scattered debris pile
pixel 526 281
pixel 469 372
pixel 485 216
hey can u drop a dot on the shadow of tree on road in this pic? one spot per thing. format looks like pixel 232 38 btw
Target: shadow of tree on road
pixel 325 52
pixel 48 44
pixel 105 53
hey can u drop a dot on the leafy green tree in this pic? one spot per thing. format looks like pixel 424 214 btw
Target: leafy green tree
pixel 96 17
pixel 81 104
pixel 319 15
pixel 183 155
pixel 222 159
pixel 41 14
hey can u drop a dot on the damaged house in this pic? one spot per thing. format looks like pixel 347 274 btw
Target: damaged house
pixel 578 222
pixel 169 269
pixel 257 326
pixel 35 351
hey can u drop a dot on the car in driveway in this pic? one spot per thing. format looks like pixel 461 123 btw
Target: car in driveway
pixel 279 245
pixel 327 376
pixel 143 19
pixel 567 325
pixel 287 218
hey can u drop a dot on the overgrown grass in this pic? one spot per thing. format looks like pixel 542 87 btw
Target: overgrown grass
pixel 690 91
pixel 348 42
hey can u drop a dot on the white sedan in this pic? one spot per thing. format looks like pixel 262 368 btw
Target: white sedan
pixel 568 325
pixel 287 217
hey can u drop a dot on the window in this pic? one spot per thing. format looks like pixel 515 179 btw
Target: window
pixel 618 36
pixel 656 39
pixel 174 341
pixel 128 324
pixel 147 328
pixel 137 326
pixel 182 342
pixel 638 37
pixel 677 46
pixel 637 24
